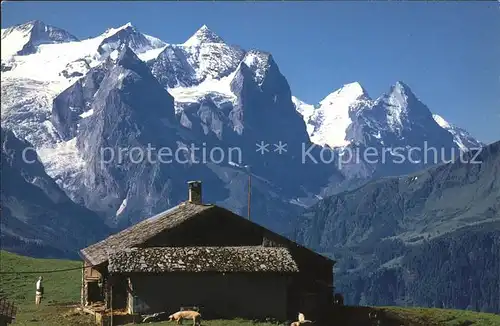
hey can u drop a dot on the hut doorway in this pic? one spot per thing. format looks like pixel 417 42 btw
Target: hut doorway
pixel 119 292
pixel 94 293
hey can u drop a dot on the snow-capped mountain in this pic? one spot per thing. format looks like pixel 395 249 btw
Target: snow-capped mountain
pixel 397 118
pixel 397 128
pixel 327 123
pixel 128 34
pixel 32 82
pixel 23 39
pixel 203 35
pixel 349 115
pixel 223 96
pixel 103 112
pixel 204 57
pixel 124 89
pixel 130 109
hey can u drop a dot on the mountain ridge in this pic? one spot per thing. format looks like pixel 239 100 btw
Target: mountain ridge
pixel 390 227
pixel 223 96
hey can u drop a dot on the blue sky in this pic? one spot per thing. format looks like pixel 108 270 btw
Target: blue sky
pixel 448 53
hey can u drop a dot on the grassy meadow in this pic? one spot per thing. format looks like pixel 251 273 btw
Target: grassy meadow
pixel 62 295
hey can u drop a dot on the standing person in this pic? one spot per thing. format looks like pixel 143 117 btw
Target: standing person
pixel 39 291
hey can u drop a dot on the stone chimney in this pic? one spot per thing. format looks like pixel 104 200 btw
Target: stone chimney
pixel 194 192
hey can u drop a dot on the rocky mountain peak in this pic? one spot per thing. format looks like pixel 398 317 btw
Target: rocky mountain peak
pixel 203 35
pixel 399 94
pixel 129 35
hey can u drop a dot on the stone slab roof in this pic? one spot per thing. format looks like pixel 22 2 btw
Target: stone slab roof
pixel 202 259
pixel 99 252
